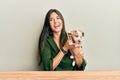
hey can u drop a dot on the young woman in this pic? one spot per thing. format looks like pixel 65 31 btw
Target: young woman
pixel 54 45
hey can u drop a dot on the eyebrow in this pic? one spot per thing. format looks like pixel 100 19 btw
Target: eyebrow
pixel 56 17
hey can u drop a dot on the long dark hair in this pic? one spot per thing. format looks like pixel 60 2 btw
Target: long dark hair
pixel 46 31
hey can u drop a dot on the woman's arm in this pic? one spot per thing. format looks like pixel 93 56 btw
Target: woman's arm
pixel 78 54
pixel 57 59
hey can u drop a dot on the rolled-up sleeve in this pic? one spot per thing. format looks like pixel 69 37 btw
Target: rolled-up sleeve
pixel 83 64
pixel 82 67
pixel 47 58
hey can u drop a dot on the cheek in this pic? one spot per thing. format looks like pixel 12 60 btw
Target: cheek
pixel 51 25
pixel 61 25
pixel 60 21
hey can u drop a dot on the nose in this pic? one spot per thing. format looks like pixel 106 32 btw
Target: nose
pixel 55 20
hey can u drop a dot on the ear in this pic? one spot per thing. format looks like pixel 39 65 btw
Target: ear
pixel 83 34
pixel 69 34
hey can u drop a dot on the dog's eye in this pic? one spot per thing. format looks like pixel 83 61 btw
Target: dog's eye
pixel 75 31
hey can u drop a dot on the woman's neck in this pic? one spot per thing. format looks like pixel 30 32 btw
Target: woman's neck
pixel 57 39
pixel 56 36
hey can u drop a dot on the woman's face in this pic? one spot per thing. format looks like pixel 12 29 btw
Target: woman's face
pixel 55 23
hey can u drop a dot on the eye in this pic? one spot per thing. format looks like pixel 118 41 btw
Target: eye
pixel 51 19
pixel 58 17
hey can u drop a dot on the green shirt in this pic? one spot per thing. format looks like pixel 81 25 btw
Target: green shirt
pixel 50 51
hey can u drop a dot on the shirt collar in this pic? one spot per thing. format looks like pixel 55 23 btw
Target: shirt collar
pixel 52 43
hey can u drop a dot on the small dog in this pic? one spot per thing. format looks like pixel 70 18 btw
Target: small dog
pixel 77 36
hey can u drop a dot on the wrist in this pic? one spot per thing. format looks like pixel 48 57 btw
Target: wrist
pixel 64 50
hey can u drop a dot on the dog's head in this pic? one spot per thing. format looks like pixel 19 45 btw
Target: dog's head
pixel 77 35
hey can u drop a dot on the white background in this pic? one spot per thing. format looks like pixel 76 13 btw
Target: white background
pixel 21 22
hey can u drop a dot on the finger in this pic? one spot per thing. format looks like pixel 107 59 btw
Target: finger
pixel 77 45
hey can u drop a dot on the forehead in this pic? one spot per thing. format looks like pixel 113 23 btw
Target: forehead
pixel 53 14
pixel 76 31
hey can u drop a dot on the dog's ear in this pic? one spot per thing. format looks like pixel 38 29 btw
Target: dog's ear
pixel 83 34
pixel 69 34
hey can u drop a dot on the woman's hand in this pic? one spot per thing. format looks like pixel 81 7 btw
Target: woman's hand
pixel 77 49
pixel 68 45
pixel 78 54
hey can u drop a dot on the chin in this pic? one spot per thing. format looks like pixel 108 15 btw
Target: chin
pixel 57 31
